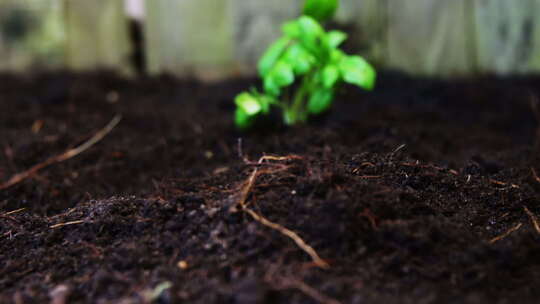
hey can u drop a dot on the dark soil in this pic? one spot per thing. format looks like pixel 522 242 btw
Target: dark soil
pixel 416 193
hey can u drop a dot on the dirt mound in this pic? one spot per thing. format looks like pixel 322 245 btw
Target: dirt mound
pixel 423 191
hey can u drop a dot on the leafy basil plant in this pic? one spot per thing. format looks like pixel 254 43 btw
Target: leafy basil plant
pixel 302 70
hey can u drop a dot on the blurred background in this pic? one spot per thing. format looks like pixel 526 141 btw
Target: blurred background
pixel 216 39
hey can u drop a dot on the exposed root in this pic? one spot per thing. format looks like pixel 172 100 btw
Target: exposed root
pixel 256 172
pixel 292 235
pixel 261 162
pixel 243 203
pixel 19 177
pixel 496 182
pixel 507 233
pixel 533 218
pixel 66 224
pixel 14 211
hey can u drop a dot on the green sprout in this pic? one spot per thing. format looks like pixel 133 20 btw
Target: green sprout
pixel 302 70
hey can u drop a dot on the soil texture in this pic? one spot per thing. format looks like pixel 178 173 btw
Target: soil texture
pixel 423 191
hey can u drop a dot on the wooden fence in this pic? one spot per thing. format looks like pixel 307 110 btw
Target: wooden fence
pixel 219 38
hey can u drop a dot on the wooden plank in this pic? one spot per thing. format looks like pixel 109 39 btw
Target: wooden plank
pixel 371 24
pixel 429 37
pixel 215 38
pixel 533 63
pixel 97 35
pixel 505 36
pixel 256 24
pixel 31 34
pixel 189 37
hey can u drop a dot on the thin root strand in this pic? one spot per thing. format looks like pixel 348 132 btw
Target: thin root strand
pixel 243 203
pixel 504 235
pixel 19 177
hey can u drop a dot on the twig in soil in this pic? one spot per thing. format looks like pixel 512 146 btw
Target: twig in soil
pixel 7 217
pixel 534 220
pixel 399 148
pixel 261 160
pixel 496 182
pixel 243 203
pixel 507 233
pixel 66 224
pixel 535 175
pixel 251 180
pixel 14 211
pixel 19 177
pixel 307 290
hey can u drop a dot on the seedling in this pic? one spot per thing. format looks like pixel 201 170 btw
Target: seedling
pixel 302 70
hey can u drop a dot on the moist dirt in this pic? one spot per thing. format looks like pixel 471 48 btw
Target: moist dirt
pixel 423 191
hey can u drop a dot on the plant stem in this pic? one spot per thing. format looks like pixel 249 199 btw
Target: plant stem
pixel 296 112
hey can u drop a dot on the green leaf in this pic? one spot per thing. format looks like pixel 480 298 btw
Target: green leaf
pixel 303 26
pixel 307 31
pixel 334 38
pixel 320 101
pixel 336 55
pixel 270 87
pixel 309 27
pixel 249 104
pixel 242 120
pixel 280 75
pixel 272 54
pixel 265 102
pixel 330 75
pixel 357 71
pixel 291 29
pixel 300 59
pixel 289 118
pixel 321 9
pixel 310 33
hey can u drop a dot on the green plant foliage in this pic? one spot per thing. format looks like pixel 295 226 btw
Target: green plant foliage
pixel 320 100
pixel 356 70
pixel 320 9
pixel 310 56
pixel 271 55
